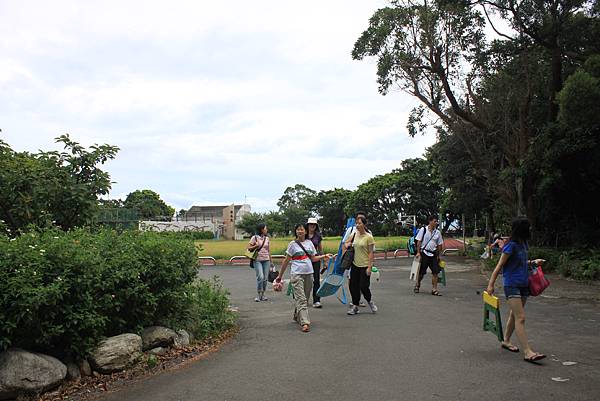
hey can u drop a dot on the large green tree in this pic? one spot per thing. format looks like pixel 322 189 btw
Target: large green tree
pixel 411 189
pixel 329 206
pixel 52 188
pixel 295 205
pixel 149 205
pixel 497 98
pixel 273 220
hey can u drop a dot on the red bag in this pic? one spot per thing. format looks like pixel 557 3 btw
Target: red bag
pixel 537 282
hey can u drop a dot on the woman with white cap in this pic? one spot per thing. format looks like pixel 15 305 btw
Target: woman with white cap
pixel 315 237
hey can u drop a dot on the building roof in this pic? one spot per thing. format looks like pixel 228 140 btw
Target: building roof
pixel 212 208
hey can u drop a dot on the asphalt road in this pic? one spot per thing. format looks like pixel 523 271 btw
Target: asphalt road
pixel 417 347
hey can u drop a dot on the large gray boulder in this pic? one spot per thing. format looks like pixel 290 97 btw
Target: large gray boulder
pixel 157 336
pixel 23 372
pixel 116 353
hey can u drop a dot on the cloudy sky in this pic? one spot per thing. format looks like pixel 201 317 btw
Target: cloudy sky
pixel 209 102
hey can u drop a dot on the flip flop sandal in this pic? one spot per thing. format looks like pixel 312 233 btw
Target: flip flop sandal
pixel 511 348
pixel 533 359
pixel 436 293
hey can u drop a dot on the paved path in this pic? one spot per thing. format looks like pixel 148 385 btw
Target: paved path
pixel 418 347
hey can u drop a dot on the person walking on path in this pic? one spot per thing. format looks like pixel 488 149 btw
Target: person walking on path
pixel 360 272
pixel 314 235
pixel 346 238
pixel 514 265
pixel 496 246
pixel 429 247
pixel 301 253
pixel 263 263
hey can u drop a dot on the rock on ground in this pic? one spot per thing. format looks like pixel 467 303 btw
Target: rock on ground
pixel 158 351
pixel 73 371
pixel 26 372
pixel 85 368
pixel 182 339
pixel 157 336
pixel 115 353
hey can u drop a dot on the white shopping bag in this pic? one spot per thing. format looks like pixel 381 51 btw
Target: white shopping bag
pixel 414 270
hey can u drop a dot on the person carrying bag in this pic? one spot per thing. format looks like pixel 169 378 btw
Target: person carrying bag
pixel 260 259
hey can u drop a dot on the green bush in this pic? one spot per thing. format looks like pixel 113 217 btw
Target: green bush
pixel 208 311
pixel 551 255
pixel 581 264
pixel 576 263
pixel 61 292
pixel 189 235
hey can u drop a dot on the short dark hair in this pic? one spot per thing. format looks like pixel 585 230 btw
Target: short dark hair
pixel 431 218
pixel 298 225
pixel 259 228
pixel 520 229
pixel 360 212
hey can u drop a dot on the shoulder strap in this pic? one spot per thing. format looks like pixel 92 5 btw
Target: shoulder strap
pixel 263 244
pixel 430 238
pixel 300 244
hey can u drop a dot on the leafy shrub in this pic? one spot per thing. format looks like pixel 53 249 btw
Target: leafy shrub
pixel 581 265
pixel 208 311
pixel 61 292
pixel 551 255
pixel 576 263
pixel 192 235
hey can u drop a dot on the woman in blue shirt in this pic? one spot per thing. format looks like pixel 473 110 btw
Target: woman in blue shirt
pixel 514 266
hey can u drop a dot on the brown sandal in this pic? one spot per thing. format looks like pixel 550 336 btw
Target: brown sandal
pixel 305 328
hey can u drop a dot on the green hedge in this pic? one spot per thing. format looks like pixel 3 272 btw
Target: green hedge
pixel 576 263
pixel 60 293
pixel 191 235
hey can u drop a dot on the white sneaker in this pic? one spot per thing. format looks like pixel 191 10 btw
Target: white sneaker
pixel 317 305
pixel 353 311
pixel 373 307
pixel 257 299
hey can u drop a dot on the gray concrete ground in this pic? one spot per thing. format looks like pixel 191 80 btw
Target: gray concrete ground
pixel 418 347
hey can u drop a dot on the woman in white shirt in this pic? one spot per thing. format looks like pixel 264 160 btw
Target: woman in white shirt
pixel 301 253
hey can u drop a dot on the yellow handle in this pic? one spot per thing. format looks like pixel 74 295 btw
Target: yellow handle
pixel 491 300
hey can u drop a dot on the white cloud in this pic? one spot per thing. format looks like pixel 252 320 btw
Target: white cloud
pixel 209 102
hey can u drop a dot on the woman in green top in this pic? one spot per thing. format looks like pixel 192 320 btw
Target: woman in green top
pixel 360 273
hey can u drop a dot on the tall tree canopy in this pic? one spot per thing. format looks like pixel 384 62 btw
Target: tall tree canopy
pixel 52 188
pixel 495 101
pixel 411 189
pixel 295 205
pixel 149 205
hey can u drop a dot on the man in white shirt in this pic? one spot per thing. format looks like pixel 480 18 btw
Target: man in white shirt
pixel 429 247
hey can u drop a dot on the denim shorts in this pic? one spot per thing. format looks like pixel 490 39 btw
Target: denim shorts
pixel 516 292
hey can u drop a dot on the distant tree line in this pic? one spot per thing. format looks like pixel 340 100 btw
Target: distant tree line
pixel 411 189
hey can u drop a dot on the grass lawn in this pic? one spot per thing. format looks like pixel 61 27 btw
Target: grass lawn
pixel 221 249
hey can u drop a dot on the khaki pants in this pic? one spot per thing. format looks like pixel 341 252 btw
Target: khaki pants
pixel 302 286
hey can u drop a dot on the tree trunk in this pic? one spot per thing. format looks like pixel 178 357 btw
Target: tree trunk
pixel 556 83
